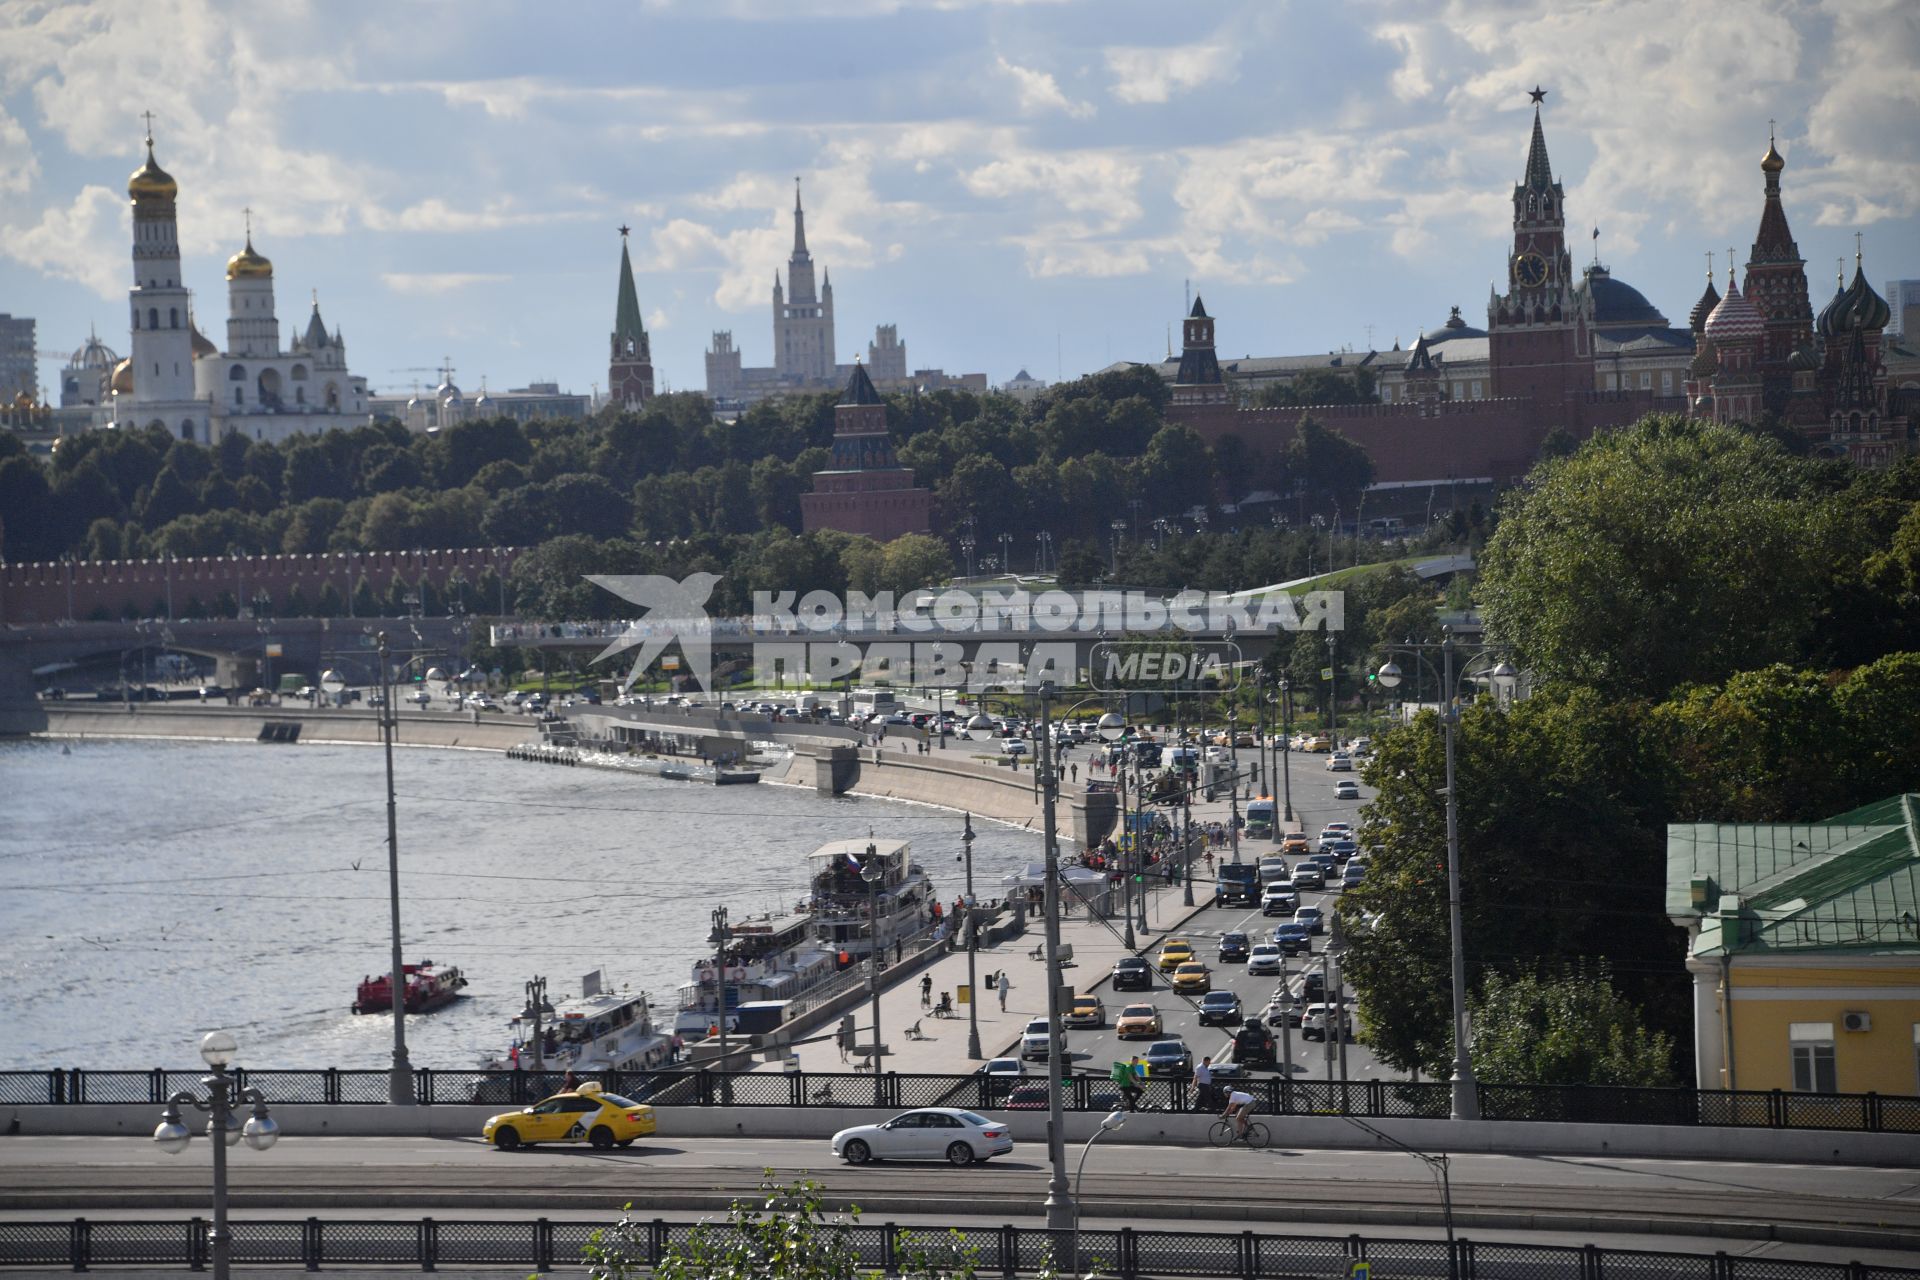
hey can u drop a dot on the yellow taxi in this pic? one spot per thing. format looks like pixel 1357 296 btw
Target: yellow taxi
pixel 1141 1020
pixel 1294 842
pixel 587 1114
pixel 1174 954
pixel 1193 976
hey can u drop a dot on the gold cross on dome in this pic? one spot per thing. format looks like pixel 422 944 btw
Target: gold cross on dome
pixel 148 117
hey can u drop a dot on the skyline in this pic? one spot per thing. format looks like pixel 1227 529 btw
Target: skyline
pixel 1003 181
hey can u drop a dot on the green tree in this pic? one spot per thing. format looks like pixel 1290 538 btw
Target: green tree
pixel 1671 552
pixel 1564 857
pixel 1569 1027
pixel 1330 467
pixel 914 560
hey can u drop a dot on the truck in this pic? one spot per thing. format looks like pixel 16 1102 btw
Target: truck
pixel 1260 818
pixel 1238 884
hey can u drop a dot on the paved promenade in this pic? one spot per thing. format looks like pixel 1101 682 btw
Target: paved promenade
pixel 1097 944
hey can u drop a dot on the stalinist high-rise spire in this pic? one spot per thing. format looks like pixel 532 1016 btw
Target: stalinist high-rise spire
pixel 630 367
pixel 802 316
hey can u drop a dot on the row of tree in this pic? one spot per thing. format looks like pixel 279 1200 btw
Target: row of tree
pixel 1721 632
pixel 1064 465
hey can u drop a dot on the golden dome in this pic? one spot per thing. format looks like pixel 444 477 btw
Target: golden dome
pixel 248 265
pixel 198 341
pixel 123 377
pixel 151 180
pixel 1773 161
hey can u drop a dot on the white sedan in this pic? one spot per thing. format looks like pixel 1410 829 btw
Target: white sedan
pixel 932 1133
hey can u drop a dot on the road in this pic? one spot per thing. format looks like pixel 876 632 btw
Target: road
pixel 1095 1051
pixel 1867 1206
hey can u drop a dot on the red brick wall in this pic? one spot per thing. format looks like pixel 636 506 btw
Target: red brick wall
pixel 38 592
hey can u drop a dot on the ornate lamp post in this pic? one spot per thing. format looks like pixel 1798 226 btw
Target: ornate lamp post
pixel 223 1128
pixel 1466 1097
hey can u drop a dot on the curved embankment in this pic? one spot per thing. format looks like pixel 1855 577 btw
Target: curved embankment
pixel 244 724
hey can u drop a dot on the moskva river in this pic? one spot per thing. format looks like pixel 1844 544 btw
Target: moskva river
pixel 150 892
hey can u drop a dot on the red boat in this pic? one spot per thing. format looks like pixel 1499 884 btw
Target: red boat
pixel 427 989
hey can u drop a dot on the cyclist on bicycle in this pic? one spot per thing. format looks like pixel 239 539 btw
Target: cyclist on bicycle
pixel 1239 1106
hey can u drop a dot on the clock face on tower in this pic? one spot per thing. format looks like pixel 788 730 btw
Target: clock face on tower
pixel 1530 269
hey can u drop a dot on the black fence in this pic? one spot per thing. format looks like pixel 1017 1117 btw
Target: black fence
pixel 1753 1109
pixel 541 1245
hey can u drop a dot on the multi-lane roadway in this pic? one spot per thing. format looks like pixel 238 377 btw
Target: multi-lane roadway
pixel 1095 1051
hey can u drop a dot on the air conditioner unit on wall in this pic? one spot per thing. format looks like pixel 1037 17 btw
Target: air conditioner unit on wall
pixel 1857 1021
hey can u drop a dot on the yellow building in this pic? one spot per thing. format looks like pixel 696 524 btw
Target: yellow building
pixel 1804 946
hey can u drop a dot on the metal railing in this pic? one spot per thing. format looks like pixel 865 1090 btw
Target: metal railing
pixel 1750 1109
pixel 1129 1253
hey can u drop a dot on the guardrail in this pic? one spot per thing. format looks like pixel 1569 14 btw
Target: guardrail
pixel 1129 1253
pixel 1747 1109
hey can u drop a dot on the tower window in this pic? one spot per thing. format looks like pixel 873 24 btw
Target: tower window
pixel 237 374
pixel 153 320
pixel 173 317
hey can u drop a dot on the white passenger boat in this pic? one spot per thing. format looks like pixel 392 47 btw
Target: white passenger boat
pixel 772 959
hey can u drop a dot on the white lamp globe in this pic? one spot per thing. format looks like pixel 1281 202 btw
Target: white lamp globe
pixel 218 1048
pixel 171 1135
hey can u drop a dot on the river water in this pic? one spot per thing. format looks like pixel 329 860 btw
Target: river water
pixel 150 892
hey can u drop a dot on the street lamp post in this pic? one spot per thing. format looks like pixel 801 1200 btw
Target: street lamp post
pixel 400 1083
pixel 1108 1123
pixel 223 1130
pixel 940 696
pixel 1466 1097
pixel 1333 693
pixel 720 936
pixel 1286 742
pixel 1060 1201
pixel 872 873
pixel 973 946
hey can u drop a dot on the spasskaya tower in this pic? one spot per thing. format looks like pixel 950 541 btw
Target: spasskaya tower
pixel 1537 330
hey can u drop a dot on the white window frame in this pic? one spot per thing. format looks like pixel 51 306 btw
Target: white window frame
pixel 1811 1045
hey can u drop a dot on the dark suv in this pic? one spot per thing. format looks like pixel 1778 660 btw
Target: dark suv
pixel 1253 1045
pixel 1132 973
pixel 1233 946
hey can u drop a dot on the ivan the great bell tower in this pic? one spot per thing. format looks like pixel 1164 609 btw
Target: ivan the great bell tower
pixel 1537 330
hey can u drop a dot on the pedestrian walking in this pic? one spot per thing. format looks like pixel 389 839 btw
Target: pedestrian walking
pixel 1003 986
pixel 926 991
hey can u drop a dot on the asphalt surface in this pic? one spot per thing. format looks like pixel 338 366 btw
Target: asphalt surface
pixel 1851 1206
pixel 1096 1051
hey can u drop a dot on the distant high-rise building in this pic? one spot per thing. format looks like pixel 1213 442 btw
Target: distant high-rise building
pixel 1904 297
pixel 804 344
pixel 17 374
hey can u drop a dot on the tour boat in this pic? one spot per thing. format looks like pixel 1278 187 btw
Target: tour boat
pixel 428 988
pixel 598 1030
pixel 777 958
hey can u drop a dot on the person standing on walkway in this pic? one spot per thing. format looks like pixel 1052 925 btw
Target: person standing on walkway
pixel 1002 985
pixel 926 991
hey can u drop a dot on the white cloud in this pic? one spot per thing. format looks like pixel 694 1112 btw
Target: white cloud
pixel 1039 92
pixel 1155 74
pixel 84 242
pixel 436 215
pixel 437 282
pixel 1102 183
pixel 659 319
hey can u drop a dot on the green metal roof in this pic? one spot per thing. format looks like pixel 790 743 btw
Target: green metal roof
pixel 1849 883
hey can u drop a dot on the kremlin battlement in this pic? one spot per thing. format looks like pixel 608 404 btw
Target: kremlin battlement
pixel 76 590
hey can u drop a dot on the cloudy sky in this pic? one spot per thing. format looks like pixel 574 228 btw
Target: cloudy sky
pixel 1013 184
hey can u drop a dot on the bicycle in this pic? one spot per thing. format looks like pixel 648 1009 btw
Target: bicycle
pixel 1223 1134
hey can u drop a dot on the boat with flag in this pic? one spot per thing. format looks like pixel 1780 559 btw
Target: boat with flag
pixel 428 988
